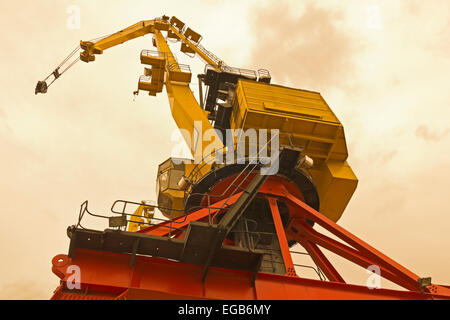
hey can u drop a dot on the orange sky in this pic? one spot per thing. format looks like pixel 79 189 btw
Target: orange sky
pixel 382 66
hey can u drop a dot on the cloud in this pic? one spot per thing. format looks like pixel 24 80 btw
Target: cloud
pixel 412 7
pixel 3 120
pixel 426 134
pixel 23 290
pixel 308 49
pixel 388 156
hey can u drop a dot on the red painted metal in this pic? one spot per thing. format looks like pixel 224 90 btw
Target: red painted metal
pixel 290 270
pixel 154 278
pixel 162 229
pixel 322 262
pixel 345 252
pixel 221 190
pixel 110 275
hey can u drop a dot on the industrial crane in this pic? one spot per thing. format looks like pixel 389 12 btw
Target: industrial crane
pixel 228 227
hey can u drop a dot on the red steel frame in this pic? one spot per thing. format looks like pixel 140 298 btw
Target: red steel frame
pixel 106 275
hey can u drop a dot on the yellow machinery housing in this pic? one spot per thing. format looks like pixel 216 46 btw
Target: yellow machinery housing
pixel 304 120
pixel 302 117
pixel 171 185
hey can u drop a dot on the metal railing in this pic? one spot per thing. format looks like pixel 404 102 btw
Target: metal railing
pixel 171 224
pixel 145 79
pixel 247 73
pixel 179 67
pixel 153 53
pixel 251 74
pixel 244 175
pixel 263 73
pixel 253 239
pixel 313 267
pixel 220 63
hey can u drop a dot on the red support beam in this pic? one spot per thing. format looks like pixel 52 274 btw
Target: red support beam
pixel 290 270
pixel 304 211
pixel 110 275
pixel 306 232
pixel 162 229
pixel 321 261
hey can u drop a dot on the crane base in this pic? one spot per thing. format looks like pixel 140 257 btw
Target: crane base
pixel 94 272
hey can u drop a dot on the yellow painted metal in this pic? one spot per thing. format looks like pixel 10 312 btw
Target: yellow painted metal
pixel 185 108
pixel 186 48
pixel 303 117
pixel 141 218
pixel 161 25
pixel 153 58
pixel 190 118
pixel 170 196
pixel 193 122
pixel 306 121
pixel 172 35
pixel 192 35
pixel 153 79
pixel 190 47
pixel 177 23
pixel 136 30
pixel 336 183
pixel 184 75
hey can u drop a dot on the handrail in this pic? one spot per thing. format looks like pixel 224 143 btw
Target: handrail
pixel 253 245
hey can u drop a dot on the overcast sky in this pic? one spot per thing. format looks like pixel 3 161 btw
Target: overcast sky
pixel 382 66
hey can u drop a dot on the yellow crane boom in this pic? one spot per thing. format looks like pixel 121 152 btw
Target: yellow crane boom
pixel 185 108
pixel 303 119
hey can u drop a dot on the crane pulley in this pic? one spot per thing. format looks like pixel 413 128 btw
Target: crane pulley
pixel 66 64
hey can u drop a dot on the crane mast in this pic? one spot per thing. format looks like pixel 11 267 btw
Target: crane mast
pixel 228 225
